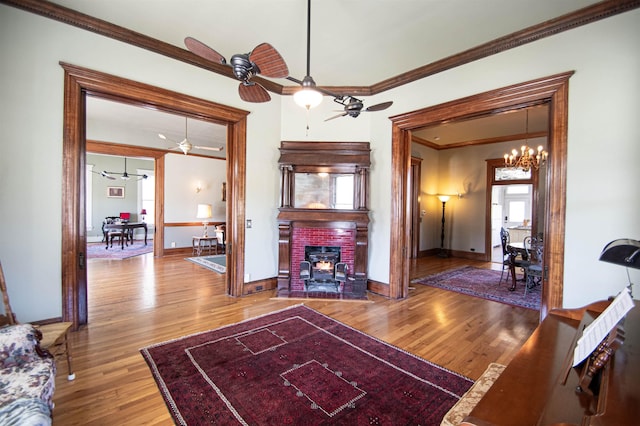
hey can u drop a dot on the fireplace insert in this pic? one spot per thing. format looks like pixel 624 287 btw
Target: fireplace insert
pixel 322 270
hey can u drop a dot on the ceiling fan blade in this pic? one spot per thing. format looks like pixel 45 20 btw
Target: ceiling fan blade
pixel 203 50
pixel 271 64
pixel 209 148
pixel 336 116
pixel 380 107
pixel 253 92
pixel 104 174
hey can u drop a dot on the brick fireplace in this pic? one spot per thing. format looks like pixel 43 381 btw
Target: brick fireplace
pixel 312 217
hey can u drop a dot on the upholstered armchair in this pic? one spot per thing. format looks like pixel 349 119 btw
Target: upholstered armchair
pixel 27 377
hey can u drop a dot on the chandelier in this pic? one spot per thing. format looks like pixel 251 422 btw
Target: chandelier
pixel 528 158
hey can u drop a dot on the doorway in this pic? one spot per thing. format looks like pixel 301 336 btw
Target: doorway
pixel 80 82
pixel 552 90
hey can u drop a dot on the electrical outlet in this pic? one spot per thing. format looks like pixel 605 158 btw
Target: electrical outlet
pixel 249 223
pixel 173 244
pixel 247 278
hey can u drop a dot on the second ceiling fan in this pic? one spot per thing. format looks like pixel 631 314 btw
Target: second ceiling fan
pixel 185 146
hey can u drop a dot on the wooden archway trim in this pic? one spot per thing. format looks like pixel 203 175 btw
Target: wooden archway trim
pixel 80 82
pixel 552 90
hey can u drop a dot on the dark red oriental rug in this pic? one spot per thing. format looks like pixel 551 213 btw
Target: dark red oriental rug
pixel 484 283
pixel 298 366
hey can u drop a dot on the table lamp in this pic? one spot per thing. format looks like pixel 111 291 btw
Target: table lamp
pixel 204 212
pixel 143 213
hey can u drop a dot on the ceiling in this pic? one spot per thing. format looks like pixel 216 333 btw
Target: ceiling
pixel 354 43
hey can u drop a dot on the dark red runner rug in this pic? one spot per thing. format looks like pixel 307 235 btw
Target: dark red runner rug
pixel 298 366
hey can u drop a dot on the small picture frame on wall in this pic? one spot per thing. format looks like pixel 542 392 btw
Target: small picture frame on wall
pixel 224 191
pixel 115 192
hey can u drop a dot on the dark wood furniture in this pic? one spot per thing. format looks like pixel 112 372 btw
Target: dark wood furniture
pixel 127 230
pixel 515 250
pixel 532 389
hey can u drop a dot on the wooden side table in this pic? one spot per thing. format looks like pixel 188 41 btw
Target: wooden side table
pixel 201 243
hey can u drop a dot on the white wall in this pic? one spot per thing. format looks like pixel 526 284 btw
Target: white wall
pixel 602 196
pixel 31 112
pixel 603 149
pixel 185 173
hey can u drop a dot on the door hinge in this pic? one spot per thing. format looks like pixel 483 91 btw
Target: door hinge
pixel 81 260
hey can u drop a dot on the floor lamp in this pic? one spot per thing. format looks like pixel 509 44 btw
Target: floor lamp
pixel 444 199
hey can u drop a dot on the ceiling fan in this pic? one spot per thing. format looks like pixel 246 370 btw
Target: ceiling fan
pixel 263 59
pixel 123 176
pixel 352 105
pixel 185 146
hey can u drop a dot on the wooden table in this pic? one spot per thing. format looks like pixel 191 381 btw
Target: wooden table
pixel 200 243
pixel 127 231
pixel 514 250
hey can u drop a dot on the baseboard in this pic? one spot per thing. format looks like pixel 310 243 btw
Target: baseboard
pixel 92 239
pixel 379 288
pixel 46 321
pixel 260 285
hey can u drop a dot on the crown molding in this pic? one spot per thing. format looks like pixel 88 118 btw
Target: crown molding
pixel 566 22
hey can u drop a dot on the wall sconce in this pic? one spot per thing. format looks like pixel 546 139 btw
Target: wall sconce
pixel 198 187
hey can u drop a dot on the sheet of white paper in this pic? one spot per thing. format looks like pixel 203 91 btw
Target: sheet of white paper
pixel 594 333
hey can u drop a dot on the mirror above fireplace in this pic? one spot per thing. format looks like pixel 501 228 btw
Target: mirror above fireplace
pixel 324 175
pixel 323 191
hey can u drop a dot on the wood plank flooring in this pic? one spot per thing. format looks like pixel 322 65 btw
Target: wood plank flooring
pixel 143 300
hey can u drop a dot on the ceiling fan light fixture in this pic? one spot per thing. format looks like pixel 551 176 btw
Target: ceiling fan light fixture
pixel 308 97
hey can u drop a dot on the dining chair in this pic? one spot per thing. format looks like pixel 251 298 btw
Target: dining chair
pixel 533 271
pixel 509 257
pixel 55 336
pixel 504 239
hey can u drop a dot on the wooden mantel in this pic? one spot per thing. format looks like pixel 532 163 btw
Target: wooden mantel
pixel 322 157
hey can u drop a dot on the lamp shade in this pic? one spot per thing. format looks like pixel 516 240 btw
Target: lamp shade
pixel 624 252
pixel 143 211
pixel 307 98
pixel 204 211
pixel 444 198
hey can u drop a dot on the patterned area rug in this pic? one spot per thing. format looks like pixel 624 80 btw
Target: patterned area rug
pixel 98 251
pixel 484 283
pixel 216 263
pixel 298 366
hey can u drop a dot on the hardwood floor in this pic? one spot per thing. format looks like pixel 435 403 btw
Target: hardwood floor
pixel 143 300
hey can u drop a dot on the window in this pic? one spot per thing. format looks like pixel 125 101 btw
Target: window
pixel 516 211
pixel 510 173
pixel 518 189
pixel 89 197
pixel 147 195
